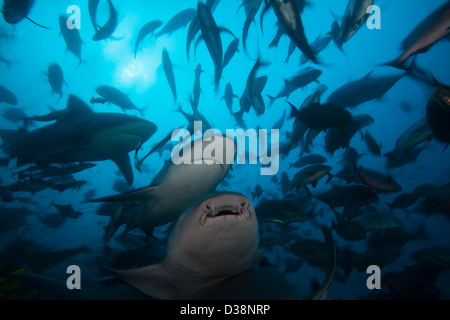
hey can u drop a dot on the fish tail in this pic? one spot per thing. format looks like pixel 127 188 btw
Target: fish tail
pixel 330 176
pixel 396 64
pixel 391 206
pixel 145 195
pixel 271 98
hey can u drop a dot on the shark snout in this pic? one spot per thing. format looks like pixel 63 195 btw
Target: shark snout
pixel 226 208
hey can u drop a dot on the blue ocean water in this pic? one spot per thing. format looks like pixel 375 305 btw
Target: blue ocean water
pixel 31 49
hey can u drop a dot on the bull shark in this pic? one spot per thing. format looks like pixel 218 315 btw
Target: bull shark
pixel 177 186
pixel 80 135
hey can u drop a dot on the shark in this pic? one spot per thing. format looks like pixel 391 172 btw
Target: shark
pixel 214 239
pixel 177 186
pixel 213 253
pixel 79 135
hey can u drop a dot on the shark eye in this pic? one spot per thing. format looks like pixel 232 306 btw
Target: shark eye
pixel 243 204
pixel 208 207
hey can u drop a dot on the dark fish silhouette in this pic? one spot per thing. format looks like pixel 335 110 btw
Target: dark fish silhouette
pixel 147 29
pixel 7 96
pixel 251 88
pixel 373 146
pixel 309 159
pixel 354 17
pixel 56 79
pixel 118 98
pixel 438 112
pixel 93 5
pixel 311 175
pixel 194 26
pixel 322 42
pixel 81 135
pixel 229 96
pixel 251 9
pixel 379 181
pixel 67 211
pixel 211 36
pixel 289 18
pixel 339 137
pixel 71 37
pixel 98 100
pixel 197 90
pixel 230 52
pixel 324 116
pixel 180 20
pixel 15 10
pixel 432 29
pixel 168 71
pixel 362 90
pixel 110 26
pixel 354 195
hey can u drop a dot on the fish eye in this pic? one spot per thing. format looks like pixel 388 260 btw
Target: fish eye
pixel 243 204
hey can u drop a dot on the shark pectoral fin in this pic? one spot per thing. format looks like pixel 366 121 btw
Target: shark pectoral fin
pixel 145 195
pixel 124 164
pixel 152 280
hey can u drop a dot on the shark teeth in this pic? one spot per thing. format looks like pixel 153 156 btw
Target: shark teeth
pixel 240 212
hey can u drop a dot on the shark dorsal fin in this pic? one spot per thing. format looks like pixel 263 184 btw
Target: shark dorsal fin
pixel 75 106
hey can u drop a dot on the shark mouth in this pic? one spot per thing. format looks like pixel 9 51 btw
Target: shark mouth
pixel 239 212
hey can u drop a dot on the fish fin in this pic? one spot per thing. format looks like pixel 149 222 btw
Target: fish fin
pixel 145 195
pixel 67 85
pixel 39 25
pixel 391 206
pixel 335 16
pixel 321 292
pixel 223 29
pixel 259 255
pixel 294 111
pixel 330 176
pixel 152 280
pixel 263 14
pixel 124 164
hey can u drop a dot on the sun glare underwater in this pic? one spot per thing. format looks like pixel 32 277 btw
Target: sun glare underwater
pixel 353 94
